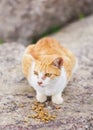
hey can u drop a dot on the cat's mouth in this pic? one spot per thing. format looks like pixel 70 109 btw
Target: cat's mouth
pixel 42 86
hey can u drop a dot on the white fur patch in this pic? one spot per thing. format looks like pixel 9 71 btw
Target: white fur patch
pixel 49 86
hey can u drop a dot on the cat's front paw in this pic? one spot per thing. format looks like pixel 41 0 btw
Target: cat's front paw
pixel 57 100
pixel 41 98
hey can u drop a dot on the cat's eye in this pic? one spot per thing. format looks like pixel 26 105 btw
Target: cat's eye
pixel 48 74
pixel 36 73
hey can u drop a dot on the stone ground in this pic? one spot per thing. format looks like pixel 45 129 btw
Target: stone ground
pixel 16 97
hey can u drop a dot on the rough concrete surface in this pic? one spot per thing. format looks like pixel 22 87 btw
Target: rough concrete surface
pixel 22 21
pixel 76 113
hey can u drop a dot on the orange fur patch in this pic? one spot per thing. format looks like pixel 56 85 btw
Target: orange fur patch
pixel 44 53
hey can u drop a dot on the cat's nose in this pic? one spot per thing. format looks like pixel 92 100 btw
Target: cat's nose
pixel 39 83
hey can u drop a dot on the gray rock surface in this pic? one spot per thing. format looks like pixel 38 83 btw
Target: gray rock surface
pixel 76 113
pixel 24 20
pixel 11 77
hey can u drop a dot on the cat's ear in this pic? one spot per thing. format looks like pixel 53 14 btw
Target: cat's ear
pixel 30 53
pixel 58 62
pixel 29 56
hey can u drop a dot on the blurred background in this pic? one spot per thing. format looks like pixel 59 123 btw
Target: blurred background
pixel 26 21
pixel 23 22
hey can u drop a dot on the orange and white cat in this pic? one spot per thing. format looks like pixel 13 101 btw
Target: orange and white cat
pixel 48 66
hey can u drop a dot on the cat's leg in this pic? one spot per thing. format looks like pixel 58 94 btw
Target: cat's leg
pixel 41 97
pixel 57 98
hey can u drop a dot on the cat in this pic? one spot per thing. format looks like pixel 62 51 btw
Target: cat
pixel 48 66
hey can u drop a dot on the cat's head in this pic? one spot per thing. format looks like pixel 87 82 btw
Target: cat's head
pixel 46 70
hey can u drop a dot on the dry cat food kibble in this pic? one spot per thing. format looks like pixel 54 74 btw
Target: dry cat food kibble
pixel 41 113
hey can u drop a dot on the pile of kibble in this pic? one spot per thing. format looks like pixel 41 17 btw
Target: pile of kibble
pixel 41 113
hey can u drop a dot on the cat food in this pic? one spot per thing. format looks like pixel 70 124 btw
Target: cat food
pixel 41 113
